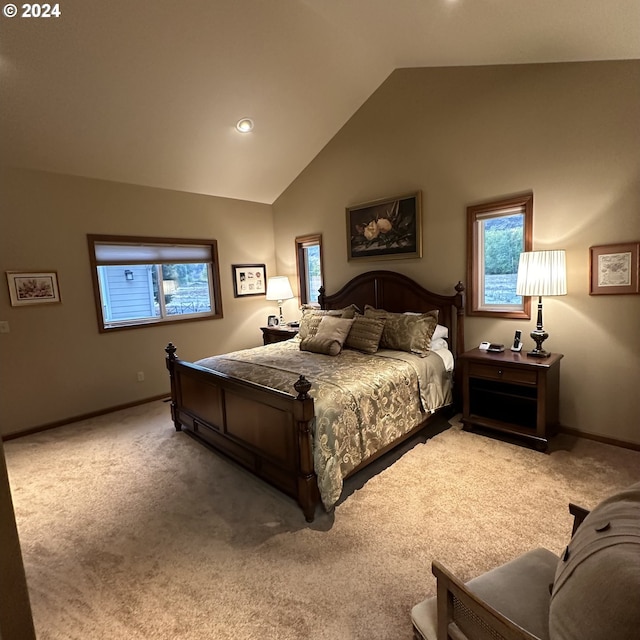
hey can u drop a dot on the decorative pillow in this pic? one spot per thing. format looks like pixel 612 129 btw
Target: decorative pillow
pixel 332 328
pixel 309 325
pixel 350 311
pixel 365 334
pixel 405 332
pixel 326 346
pixel 311 319
pixel 598 576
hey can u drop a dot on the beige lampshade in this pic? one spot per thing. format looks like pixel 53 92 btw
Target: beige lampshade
pixel 542 273
pixel 279 288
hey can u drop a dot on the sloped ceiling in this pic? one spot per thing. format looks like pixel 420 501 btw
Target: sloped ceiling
pixel 149 91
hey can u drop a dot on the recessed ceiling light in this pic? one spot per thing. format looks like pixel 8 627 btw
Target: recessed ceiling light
pixel 244 125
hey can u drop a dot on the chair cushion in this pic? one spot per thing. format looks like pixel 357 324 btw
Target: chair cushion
pixel 424 617
pixel 597 584
pixel 519 590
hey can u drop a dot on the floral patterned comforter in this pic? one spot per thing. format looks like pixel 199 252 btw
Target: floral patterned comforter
pixel 362 402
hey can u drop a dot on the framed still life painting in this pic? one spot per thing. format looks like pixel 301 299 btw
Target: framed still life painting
pixel 385 229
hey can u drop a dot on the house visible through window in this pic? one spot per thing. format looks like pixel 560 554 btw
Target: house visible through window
pixel 497 233
pixel 309 264
pixel 142 281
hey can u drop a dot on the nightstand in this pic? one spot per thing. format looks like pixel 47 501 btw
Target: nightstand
pixel 512 393
pixel 277 334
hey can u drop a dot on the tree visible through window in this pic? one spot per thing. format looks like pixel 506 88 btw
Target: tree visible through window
pixel 497 232
pixel 141 281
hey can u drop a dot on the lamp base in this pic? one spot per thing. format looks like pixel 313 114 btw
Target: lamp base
pixel 538 353
pixel 539 336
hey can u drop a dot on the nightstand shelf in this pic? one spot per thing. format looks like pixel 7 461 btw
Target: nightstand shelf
pixel 277 334
pixel 512 393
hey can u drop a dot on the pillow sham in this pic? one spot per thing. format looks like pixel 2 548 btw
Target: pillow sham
pixel 332 328
pixel 326 346
pixel 308 325
pixel 350 311
pixel 405 332
pixel 365 334
pixel 440 331
pixel 311 319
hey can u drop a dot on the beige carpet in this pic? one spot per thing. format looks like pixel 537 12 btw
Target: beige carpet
pixel 131 531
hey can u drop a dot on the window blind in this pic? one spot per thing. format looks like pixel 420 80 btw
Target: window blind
pixel 107 253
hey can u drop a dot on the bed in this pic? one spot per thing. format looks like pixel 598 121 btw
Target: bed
pixel 299 418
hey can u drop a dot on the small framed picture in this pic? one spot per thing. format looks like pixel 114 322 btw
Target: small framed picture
pixel 272 321
pixel 384 229
pixel 28 288
pixel 615 269
pixel 249 280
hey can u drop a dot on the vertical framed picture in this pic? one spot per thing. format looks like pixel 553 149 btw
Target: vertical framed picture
pixel 249 280
pixel 615 269
pixel 27 288
pixel 385 229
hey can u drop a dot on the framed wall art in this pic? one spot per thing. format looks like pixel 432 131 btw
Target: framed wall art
pixel 249 280
pixel 615 268
pixel 384 229
pixel 27 288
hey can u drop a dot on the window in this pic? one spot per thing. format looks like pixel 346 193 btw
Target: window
pixel 309 264
pixel 143 281
pixel 497 232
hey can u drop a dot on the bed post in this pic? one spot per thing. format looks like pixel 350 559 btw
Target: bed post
pixel 457 385
pixel 171 358
pixel 459 319
pixel 308 495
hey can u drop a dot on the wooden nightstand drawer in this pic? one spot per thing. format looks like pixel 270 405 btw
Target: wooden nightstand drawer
pixel 277 334
pixel 504 374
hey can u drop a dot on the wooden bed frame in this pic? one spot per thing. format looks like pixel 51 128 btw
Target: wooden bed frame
pixel 269 432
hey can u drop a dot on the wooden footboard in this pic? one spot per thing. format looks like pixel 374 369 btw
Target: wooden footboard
pixel 264 430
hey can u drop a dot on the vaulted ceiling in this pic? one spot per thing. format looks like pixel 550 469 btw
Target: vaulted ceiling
pixel 149 91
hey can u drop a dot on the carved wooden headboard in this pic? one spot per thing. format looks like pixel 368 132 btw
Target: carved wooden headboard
pixel 398 293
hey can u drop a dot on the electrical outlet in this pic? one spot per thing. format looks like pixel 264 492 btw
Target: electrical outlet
pixel 4 326
pixel 140 376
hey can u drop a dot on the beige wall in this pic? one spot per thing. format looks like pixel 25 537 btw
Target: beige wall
pixel 568 132
pixel 55 363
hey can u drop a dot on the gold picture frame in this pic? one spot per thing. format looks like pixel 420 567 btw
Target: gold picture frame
pixel 390 228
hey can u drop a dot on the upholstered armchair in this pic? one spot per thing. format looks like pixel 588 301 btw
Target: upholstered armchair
pixel 592 592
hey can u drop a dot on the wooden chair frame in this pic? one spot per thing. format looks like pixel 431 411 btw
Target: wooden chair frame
pixel 495 625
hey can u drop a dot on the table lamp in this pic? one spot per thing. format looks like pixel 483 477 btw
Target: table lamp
pixel 541 273
pixel 279 288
